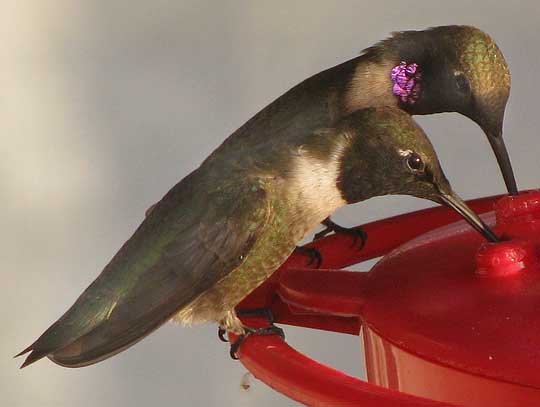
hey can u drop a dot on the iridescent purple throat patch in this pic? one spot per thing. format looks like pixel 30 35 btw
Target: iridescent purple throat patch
pixel 406 78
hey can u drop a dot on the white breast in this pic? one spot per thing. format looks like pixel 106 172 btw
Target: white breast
pixel 312 184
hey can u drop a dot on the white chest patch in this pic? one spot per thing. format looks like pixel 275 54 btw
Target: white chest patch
pixel 313 184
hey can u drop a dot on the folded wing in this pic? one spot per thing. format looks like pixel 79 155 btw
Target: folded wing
pixel 197 234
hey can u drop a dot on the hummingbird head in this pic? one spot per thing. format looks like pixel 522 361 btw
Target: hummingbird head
pixel 450 69
pixel 387 153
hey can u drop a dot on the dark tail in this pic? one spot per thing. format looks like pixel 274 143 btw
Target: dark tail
pixel 105 340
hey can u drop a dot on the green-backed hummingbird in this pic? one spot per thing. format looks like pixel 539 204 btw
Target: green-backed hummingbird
pixel 227 226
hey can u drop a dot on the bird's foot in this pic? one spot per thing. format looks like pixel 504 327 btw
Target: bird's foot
pixel 315 255
pixel 357 233
pixel 271 329
pixel 229 323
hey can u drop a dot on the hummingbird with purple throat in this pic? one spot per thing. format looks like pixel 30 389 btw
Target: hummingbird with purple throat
pixel 442 69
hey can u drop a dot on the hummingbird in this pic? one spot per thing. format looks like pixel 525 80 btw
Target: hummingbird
pixel 228 225
pixel 441 69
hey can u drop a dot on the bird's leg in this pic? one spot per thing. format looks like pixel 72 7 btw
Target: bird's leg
pixel 232 323
pixel 314 255
pixel 356 233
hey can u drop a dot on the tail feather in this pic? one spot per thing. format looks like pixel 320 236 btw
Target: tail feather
pixel 43 346
pixel 106 341
pixel 103 341
pixel 38 350
pixel 32 357
pixel 23 352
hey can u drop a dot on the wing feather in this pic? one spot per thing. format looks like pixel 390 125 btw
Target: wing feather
pixel 197 234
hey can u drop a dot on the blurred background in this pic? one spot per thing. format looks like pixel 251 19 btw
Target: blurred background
pixel 104 105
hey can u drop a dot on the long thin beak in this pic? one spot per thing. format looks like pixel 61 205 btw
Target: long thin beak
pixel 499 148
pixel 455 202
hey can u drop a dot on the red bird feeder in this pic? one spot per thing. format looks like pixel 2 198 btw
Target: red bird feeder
pixel 447 319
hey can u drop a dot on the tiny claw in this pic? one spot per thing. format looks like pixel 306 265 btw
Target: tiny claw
pixel 356 233
pixel 221 334
pixel 236 345
pixel 315 255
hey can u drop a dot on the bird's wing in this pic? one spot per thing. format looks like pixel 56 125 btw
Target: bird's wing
pixel 197 234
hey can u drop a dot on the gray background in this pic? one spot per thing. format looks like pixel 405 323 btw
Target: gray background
pixel 104 105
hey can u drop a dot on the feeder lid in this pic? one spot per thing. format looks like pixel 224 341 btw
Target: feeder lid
pixel 451 298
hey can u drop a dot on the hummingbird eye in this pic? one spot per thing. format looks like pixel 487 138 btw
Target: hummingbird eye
pixel 462 82
pixel 415 163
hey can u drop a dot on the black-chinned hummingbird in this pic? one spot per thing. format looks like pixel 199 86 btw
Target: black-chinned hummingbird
pixel 227 226
pixel 441 69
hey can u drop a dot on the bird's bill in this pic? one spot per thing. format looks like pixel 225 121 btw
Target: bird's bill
pixel 499 148
pixel 455 202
